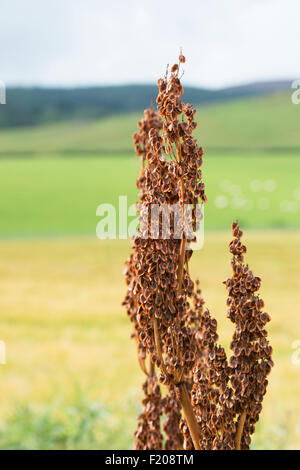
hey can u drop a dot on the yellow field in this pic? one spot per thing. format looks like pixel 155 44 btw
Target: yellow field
pixel 66 333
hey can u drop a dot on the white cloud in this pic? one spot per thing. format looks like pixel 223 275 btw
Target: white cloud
pixel 99 42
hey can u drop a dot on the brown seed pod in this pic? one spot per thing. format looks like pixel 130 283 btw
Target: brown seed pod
pixel 176 338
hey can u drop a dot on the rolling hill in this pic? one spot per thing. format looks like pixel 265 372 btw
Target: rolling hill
pixel 269 122
pixel 34 106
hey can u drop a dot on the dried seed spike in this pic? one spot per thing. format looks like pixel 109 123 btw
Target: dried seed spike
pixel 181 57
pixel 174 68
pixel 172 331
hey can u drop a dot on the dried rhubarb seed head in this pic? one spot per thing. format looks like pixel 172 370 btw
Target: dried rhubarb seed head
pixel 176 338
pixel 251 361
pixel 170 175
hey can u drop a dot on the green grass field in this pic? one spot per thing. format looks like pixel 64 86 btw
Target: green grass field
pixel 266 122
pixel 72 378
pixel 59 196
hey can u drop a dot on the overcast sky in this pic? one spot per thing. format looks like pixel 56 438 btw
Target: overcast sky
pixel 84 42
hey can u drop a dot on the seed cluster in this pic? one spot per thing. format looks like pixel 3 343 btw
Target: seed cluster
pixel 151 120
pixel 172 410
pixel 148 435
pixel 211 403
pixel 251 361
pixel 226 396
pixel 211 395
pixel 156 273
pixel 187 440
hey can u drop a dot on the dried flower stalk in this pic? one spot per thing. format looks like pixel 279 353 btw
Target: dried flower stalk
pixel 220 399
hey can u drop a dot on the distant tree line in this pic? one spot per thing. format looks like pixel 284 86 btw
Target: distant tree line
pixel 32 106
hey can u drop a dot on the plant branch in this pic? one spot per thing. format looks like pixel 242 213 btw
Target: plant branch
pixel 143 365
pixel 239 431
pixel 183 240
pixel 190 416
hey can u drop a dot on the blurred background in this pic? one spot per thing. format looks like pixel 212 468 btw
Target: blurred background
pixel 78 75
